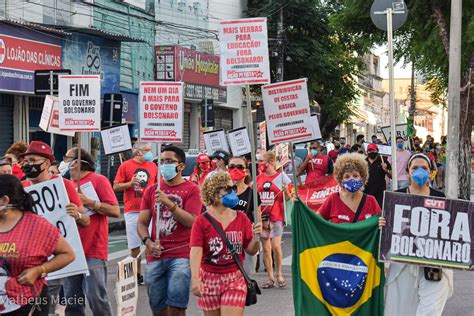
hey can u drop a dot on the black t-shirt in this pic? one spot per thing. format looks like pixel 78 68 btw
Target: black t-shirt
pixel 244 198
pixel 433 192
pixel 376 184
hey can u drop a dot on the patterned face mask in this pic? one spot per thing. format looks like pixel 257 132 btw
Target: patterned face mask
pixel 352 185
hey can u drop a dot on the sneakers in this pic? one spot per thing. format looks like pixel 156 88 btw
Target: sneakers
pixel 140 280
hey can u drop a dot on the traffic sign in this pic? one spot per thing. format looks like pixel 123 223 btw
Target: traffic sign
pixel 399 11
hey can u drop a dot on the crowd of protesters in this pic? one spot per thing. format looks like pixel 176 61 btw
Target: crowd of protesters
pixel 182 221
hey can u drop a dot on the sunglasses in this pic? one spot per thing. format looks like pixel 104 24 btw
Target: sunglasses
pixel 230 188
pixel 240 167
pixel 314 148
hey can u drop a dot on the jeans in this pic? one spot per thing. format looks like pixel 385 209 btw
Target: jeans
pixel 403 184
pixel 168 281
pixel 54 287
pixel 94 287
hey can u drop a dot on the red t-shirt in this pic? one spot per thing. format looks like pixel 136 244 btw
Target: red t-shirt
pixel 95 237
pixel 199 179
pixel 216 258
pixel 317 168
pixel 333 155
pixel 271 194
pixel 70 189
pixel 172 233
pixel 336 211
pixel 147 173
pixel 27 245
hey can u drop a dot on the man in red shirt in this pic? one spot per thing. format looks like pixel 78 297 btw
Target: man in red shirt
pixel 133 177
pixel 168 273
pixel 99 198
pixel 36 162
pixel 316 165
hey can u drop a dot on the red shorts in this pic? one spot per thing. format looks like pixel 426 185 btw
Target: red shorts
pixel 222 289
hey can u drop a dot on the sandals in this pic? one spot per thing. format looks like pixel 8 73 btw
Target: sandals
pixel 281 283
pixel 269 285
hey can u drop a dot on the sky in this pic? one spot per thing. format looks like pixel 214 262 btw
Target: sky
pixel 399 71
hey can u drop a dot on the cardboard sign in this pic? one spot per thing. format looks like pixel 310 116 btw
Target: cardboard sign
pixel 126 287
pixel 50 117
pixel 116 139
pixel 79 103
pixel 262 129
pixel 287 111
pixel 89 191
pixel 400 130
pixel 427 231
pixel 281 153
pixel 384 150
pixel 244 52
pixel 315 126
pixel 215 140
pixel 239 142
pixel 161 111
pixel 50 199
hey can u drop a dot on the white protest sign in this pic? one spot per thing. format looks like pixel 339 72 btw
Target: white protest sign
pixel 89 191
pixel 127 287
pixel 281 153
pixel 244 52
pixel 315 126
pixel 287 111
pixel 161 111
pixel 50 200
pixel 79 103
pixel 116 139
pixel 50 117
pixel 400 130
pixel 384 150
pixel 215 140
pixel 239 142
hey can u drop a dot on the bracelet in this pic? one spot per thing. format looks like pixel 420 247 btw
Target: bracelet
pixel 44 273
pixel 173 208
pixel 95 204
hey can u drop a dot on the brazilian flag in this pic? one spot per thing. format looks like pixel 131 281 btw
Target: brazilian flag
pixel 335 269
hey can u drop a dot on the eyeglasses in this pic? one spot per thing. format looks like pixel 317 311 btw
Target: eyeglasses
pixel 316 148
pixel 230 188
pixel 33 161
pixel 68 158
pixel 240 167
pixel 168 161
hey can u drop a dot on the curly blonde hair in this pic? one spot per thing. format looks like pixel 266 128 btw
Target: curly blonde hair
pixel 210 191
pixel 351 162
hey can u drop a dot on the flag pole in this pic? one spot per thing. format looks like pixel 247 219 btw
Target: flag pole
pixel 158 204
pixel 295 180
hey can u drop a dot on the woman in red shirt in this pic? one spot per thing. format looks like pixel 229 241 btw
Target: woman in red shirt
pixel 201 170
pixel 26 242
pixel 215 276
pixel 350 205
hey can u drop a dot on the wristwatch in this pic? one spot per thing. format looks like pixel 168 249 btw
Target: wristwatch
pixel 145 239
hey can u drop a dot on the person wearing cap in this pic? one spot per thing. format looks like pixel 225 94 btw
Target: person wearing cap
pixel 94 238
pixel 201 170
pixel 379 168
pixel 5 165
pixel 415 289
pixel 220 158
pixel 36 162
pixel 316 164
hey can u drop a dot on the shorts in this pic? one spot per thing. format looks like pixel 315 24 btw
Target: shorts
pixel 275 230
pixel 133 239
pixel 222 289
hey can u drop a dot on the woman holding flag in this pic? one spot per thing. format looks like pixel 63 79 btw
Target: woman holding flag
pixel 272 186
pixel 411 289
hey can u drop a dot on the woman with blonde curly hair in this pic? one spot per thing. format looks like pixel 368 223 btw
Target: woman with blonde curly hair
pixel 215 276
pixel 350 205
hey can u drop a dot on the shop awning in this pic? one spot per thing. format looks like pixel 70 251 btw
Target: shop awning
pixel 103 33
pixel 35 26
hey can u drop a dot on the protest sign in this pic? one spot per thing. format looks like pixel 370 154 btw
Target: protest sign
pixel 127 287
pixel 281 153
pixel 384 150
pixel 262 129
pixel 428 231
pixel 287 111
pixel 50 200
pixel 116 139
pixel 314 194
pixel 315 126
pixel 50 117
pixel 244 52
pixel 215 140
pixel 239 142
pixel 400 130
pixel 89 191
pixel 161 111
pixel 79 103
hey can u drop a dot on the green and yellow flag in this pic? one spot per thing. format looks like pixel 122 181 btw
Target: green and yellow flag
pixel 335 269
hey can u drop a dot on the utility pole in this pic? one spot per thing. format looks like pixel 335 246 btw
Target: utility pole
pixel 280 44
pixel 454 109
pixel 412 95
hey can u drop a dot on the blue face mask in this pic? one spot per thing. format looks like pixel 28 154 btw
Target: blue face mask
pixel 168 171
pixel 314 152
pixel 148 156
pixel 230 200
pixel 420 176
pixel 400 145
pixel 352 185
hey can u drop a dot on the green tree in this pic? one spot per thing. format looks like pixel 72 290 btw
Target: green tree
pixel 424 41
pixel 314 49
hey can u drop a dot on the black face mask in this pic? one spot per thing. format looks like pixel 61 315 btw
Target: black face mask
pixel 32 171
pixel 337 147
pixel 373 155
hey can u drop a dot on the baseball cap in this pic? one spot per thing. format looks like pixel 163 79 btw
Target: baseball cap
pixel 221 154
pixel 40 149
pixel 373 147
pixel 202 158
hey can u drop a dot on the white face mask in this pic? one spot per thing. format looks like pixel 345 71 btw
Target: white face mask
pixel 64 167
pixel 5 207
